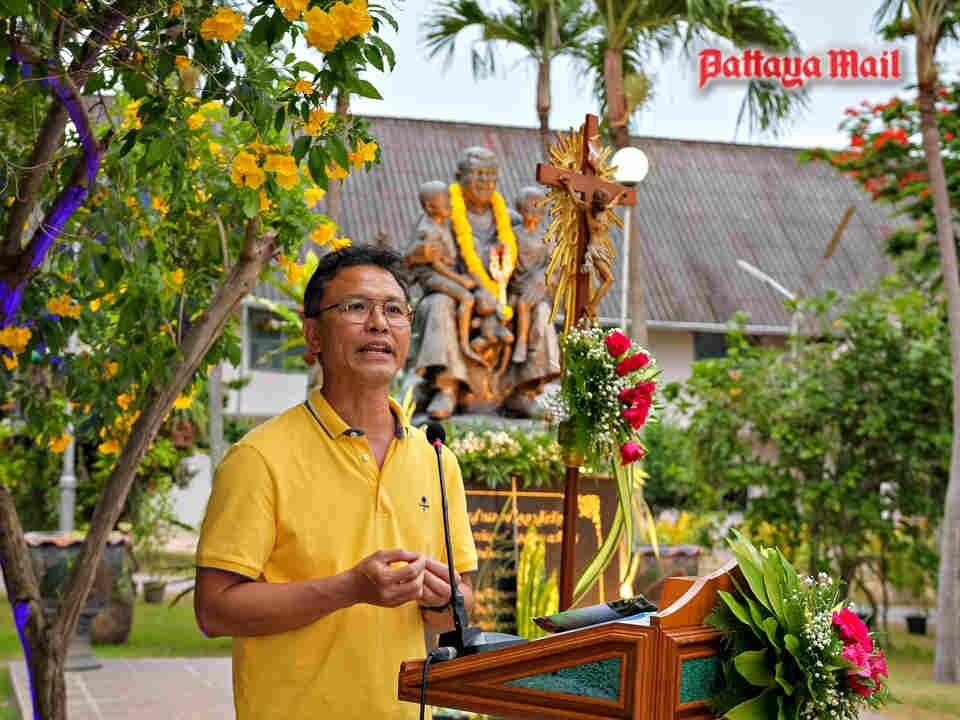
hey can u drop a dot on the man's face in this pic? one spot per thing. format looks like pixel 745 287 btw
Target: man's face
pixel 478 185
pixel 365 353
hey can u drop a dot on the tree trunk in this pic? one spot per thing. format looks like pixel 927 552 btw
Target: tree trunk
pixel 543 106
pixel 45 660
pixel 48 685
pixel 616 99
pixel 48 139
pixel 46 646
pixel 336 186
pixel 946 668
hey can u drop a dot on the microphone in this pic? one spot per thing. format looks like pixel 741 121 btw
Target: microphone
pixel 455 638
pixel 462 640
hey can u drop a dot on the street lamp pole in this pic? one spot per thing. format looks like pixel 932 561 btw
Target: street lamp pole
pixel 68 475
pixel 631 167
pixel 625 265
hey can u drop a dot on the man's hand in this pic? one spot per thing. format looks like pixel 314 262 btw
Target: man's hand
pixel 381 580
pixel 436 584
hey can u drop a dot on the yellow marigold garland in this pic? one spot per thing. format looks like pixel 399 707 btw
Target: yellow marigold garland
pixel 464 235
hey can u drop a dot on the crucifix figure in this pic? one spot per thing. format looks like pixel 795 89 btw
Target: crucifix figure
pixel 598 257
pixel 583 195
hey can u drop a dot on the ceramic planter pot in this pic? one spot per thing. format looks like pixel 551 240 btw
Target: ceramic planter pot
pixel 53 554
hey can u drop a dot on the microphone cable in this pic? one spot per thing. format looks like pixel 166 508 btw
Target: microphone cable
pixel 439 654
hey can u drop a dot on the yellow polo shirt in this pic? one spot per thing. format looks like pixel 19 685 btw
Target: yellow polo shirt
pixel 301 497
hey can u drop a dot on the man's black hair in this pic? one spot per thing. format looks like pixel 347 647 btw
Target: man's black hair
pixel 351 256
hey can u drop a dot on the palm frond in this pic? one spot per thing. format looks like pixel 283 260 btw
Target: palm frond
pixel 444 25
pixel 767 105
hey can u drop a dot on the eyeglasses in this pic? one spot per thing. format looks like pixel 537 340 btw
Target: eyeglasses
pixel 357 310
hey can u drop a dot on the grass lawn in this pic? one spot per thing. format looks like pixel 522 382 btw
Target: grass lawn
pixel 910 660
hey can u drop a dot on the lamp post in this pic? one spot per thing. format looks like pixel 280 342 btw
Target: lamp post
pixel 789 295
pixel 631 168
pixel 68 476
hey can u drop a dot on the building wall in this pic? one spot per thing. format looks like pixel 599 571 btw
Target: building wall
pixel 266 394
pixel 673 351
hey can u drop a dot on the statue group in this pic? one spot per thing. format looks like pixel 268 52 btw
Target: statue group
pixel 485 339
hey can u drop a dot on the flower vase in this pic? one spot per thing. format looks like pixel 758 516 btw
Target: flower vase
pixel 573 457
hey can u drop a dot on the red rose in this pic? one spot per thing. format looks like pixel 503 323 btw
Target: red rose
pixel 864 680
pixel 636 415
pixel 850 628
pixel 643 392
pixel 858 685
pixel 617 343
pixel 858 657
pixel 631 363
pixel 630 452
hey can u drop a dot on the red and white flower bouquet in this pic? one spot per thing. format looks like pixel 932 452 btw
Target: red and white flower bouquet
pixel 793 649
pixel 606 396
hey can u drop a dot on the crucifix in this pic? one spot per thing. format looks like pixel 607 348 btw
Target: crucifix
pixel 578 168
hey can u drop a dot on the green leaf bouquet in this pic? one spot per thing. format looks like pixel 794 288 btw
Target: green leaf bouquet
pixel 793 649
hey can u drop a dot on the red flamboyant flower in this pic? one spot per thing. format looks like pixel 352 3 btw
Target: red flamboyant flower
pixel 897 135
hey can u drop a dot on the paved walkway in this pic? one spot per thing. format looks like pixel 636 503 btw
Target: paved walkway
pixel 147 689
pixel 150 689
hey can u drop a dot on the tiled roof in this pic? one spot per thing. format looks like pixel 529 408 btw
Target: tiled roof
pixel 703 206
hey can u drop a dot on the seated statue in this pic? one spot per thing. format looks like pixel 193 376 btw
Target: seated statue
pixel 487 250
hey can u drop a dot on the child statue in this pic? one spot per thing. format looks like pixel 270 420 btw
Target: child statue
pixel 491 323
pixel 433 259
pixel 528 286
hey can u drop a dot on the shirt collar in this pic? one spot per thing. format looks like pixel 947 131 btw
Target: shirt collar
pixel 328 419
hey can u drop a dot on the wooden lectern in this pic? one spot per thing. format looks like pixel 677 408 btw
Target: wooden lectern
pixel 661 671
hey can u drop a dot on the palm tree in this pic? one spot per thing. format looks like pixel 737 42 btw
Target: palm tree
pixel 930 21
pixel 544 29
pixel 631 30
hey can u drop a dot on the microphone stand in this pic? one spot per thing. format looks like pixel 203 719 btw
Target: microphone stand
pixel 454 638
pixel 463 639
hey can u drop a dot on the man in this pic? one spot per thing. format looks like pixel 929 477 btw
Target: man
pixel 318 549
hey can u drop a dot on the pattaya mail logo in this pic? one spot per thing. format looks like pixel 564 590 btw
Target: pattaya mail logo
pixel 793 72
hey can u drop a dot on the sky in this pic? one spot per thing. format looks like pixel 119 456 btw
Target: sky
pixel 420 88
